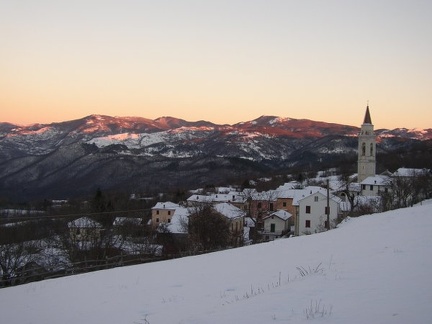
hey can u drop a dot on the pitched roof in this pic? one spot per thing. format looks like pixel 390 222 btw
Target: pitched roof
pixel 84 222
pixel 282 214
pixel 367 119
pixel 378 180
pixel 178 224
pixel 229 211
pixel 232 196
pixel 166 205
pixel 409 172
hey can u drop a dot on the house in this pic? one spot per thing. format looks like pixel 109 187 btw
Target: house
pixel 173 216
pixel 235 217
pixel 163 212
pixel 85 229
pixel 374 185
pixel 288 200
pixel 410 172
pixel 276 225
pixel 170 221
pixel 259 204
pixel 312 213
pixel 233 197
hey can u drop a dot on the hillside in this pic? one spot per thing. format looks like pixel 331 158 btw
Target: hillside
pixel 372 269
pixel 131 154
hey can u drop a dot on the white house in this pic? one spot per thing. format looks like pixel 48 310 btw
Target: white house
pixel 276 224
pixel 312 213
pixel 373 185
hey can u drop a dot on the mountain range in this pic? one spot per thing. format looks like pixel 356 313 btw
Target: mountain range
pixel 133 154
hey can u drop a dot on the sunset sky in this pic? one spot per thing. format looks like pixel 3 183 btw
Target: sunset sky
pixel 223 61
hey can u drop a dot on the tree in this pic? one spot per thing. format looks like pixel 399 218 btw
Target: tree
pixel 15 252
pixel 208 230
pixel 408 189
pixel 347 189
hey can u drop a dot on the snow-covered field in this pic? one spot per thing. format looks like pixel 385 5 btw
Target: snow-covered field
pixel 373 269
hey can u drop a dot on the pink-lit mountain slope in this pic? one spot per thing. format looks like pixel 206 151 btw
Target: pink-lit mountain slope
pixel 133 153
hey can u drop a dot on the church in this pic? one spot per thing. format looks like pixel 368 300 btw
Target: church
pixel 371 184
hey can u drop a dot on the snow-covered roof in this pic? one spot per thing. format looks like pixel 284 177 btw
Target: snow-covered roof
pixel 407 172
pixel 229 211
pixel 288 185
pixel 232 196
pixel 324 194
pixel 298 194
pixel 166 205
pixel 377 180
pixel 282 214
pixel 84 222
pixel 179 219
pixel 130 220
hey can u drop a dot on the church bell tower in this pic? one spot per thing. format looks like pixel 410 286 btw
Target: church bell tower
pixel 366 149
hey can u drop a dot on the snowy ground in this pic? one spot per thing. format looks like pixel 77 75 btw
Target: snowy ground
pixel 373 269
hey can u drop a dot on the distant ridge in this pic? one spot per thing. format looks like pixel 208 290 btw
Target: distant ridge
pixel 75 157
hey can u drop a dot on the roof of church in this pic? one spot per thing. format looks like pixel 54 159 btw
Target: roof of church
pixel 367 119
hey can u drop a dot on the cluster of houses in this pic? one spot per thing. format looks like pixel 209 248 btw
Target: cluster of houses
pixel 287 210
pixel 291 209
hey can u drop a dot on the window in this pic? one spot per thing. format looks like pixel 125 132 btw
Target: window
pixel 284 204
pixel 169 212
pixel 371 149
pixel 169 220
pixel 307 223
pixel 363 149
pixel 271 206
pixel 316 198
pixel 272 228
pixel 157 220
pixel 308 209
pixel 363 187
pixel 157 212
pixel 371 187
pixel 259 205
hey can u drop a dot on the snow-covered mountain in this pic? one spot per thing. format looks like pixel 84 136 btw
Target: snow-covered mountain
pixel 372 269
pixel 72 157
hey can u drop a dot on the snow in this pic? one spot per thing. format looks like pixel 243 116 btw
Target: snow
pixel 372 269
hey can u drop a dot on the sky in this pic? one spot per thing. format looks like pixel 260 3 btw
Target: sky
pixel 224 61
pixel 371 269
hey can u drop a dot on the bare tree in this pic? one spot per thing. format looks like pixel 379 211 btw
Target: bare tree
pixel 208 230
pixel 15 253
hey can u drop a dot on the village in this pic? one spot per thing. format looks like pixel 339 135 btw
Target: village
pixel 210 219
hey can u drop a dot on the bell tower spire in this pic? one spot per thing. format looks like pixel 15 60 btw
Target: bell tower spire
pixel 366 148
pixel 367 119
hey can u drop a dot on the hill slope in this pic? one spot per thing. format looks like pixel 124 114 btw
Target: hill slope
pixel 374 269
pixel 74 158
